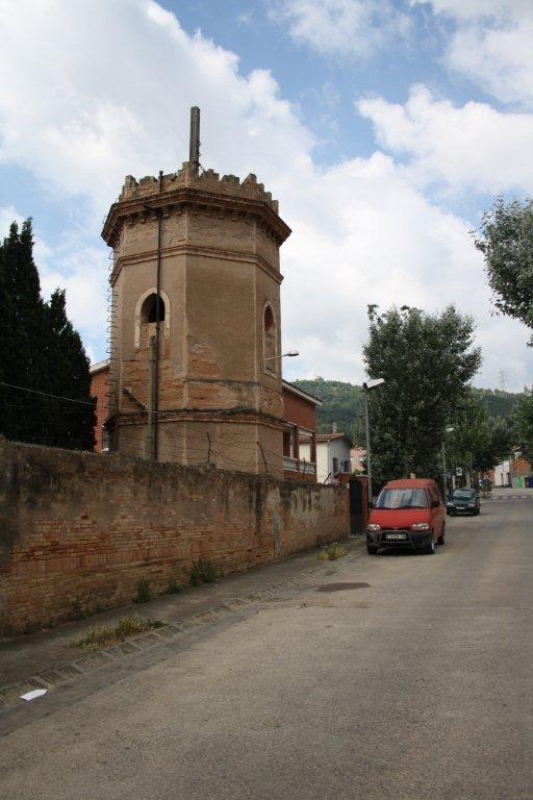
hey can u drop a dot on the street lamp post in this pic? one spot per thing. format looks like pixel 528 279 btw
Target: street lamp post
pixel 443 454
pixel 368 386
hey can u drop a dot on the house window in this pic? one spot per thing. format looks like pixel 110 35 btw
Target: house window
pixel 335 466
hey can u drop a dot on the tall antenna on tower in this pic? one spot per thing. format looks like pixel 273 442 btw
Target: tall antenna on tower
pixel 194 142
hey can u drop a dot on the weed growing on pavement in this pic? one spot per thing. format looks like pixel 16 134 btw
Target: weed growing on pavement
pixel 203 571
pixel 174 586
pixel 96 638
pixel 332 552
pixel 143 592
pixel 77 611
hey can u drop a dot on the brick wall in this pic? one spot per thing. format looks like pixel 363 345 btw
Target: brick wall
pixel 78 531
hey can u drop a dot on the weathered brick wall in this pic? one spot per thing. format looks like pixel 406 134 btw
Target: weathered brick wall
pixel 78 531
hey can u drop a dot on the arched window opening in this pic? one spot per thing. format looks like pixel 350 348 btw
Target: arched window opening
pixel 150 311
pixel 269 319
pixel 270 341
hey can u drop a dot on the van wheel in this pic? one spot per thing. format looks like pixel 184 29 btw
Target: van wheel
pixel 430 549
pixel 371 550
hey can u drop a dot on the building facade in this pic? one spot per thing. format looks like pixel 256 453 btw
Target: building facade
pixel 332 458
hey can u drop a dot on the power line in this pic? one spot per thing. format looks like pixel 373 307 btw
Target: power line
pixel 45 394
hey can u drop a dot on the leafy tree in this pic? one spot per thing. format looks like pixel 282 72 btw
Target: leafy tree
pixel 477 441
pixel 427 362
pixel 506 242
pixel 524 423
pixel 42 355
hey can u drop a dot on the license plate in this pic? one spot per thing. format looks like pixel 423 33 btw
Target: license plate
pixel 396 537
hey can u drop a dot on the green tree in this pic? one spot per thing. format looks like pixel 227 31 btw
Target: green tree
pixel 477 441
pixel 21 329
pixel 67 377
pixel 42 355
pixel 524 423
pixel 427 362
pixel 506 241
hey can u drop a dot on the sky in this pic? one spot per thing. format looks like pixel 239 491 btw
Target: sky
pixel 384 128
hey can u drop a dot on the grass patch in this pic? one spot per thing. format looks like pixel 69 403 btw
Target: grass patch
pixel 332 552
pixel 144 594
pixel 174 586
pixel 203 571
pixel 96 638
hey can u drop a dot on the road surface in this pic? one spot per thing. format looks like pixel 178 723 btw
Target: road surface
pixel 391 676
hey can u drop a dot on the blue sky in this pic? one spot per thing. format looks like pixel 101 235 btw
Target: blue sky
pixel 384 127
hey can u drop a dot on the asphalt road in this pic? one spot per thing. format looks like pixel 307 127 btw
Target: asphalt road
pixel 392 676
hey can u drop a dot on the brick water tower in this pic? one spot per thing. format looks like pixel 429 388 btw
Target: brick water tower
pixel 195 360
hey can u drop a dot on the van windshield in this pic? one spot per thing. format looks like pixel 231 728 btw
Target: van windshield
pixel 402 498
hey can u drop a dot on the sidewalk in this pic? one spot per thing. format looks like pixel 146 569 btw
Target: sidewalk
pixel 47 659
pixel 499 492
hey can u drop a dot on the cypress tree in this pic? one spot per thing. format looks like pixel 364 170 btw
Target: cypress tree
pixel 40 352
pixel 22 333
pixel 70 423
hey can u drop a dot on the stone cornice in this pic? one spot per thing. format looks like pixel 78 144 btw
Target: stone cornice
pixel 248 416
pixel 188 249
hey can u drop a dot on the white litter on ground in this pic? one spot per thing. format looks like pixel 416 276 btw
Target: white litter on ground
pixel 33 694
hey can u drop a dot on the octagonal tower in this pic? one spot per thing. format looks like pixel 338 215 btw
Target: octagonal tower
pixel 195 361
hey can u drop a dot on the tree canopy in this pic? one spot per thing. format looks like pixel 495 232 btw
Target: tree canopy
pixel 524 423
pixel 506 241
pixel 478 441
pixel 44 371
pixel 427 362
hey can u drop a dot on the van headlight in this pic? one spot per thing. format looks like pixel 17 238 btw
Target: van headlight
pixel 420 526
pixel 373 527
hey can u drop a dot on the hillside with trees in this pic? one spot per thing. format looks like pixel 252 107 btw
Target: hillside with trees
pixel 342 404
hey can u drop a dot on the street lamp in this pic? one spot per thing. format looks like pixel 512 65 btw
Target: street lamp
pixel 290 354
pixel 443 454
pixel 368 386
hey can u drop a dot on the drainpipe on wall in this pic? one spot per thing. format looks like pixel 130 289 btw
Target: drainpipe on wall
pixel 159 213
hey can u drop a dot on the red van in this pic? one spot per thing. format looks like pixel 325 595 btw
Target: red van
pixel 408 513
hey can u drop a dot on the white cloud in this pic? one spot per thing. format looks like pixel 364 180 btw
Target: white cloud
pixel 107 93
pixel 351 28
pixel 469 147
pixel 499 61
pixel 8 215
pixel 499 10
pixel 109 85
pixel 492 45
pixel 380 242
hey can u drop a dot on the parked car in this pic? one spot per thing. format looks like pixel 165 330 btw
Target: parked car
pixel 463 501
pixel 409 514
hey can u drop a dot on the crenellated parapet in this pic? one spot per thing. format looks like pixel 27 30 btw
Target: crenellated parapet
pixel 187 188
pixel 207 181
